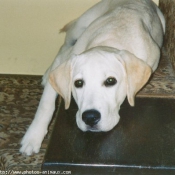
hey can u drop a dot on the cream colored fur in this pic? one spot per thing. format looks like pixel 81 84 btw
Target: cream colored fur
pixel 115 38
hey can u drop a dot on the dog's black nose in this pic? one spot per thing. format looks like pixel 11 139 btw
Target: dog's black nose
pixel 91 117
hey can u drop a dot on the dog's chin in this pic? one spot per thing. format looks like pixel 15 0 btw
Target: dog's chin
pixel 95 128
pixel 87 128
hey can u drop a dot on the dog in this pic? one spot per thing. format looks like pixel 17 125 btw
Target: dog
pixel 109 54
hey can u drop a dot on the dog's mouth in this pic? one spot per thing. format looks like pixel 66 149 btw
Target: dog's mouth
pixel 93 128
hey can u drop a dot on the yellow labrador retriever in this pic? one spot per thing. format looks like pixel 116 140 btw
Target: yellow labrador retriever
pixel 109 53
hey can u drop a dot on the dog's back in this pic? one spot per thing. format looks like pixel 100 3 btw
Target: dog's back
pixel 123 24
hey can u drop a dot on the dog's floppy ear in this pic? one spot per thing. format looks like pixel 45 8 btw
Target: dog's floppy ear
pixel 61 81
pixel 137 73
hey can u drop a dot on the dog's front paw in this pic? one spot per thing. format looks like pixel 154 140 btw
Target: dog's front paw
pixel 31 142
pixel 29 147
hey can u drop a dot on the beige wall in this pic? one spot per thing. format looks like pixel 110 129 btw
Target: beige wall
pixel 156 1
pixel 29 32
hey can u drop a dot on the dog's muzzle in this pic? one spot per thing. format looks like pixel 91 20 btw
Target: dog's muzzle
pixel 91 117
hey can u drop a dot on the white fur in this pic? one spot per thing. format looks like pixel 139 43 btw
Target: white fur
pixel 115 38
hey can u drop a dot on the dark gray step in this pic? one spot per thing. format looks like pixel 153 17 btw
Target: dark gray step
pixel 142 143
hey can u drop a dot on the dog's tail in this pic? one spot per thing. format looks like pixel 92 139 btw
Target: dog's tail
pixel 67 26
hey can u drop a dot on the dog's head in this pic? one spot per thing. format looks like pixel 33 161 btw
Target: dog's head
pixel 100 79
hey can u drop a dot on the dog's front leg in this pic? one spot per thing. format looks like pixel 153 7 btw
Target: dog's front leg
pixel 34 136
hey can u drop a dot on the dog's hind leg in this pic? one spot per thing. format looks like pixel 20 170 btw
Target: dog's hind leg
pixel 75 28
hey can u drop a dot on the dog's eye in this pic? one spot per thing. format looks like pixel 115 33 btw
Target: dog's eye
pixel 110 82
pixel 79 83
